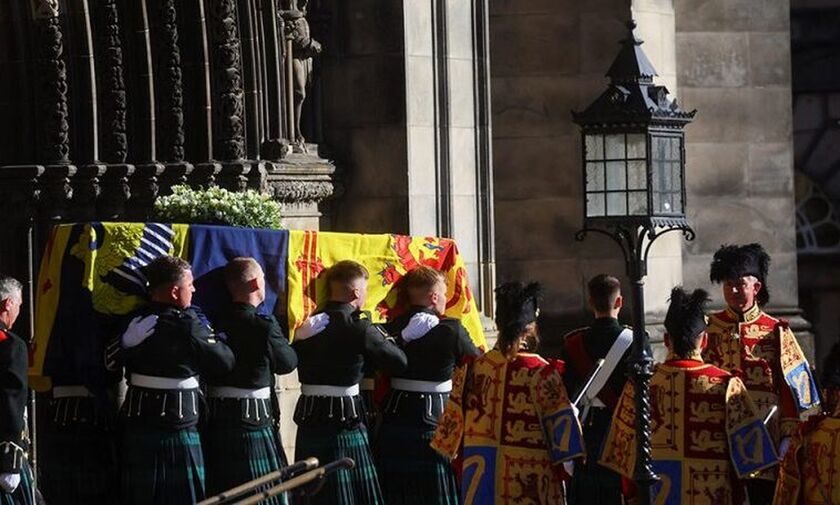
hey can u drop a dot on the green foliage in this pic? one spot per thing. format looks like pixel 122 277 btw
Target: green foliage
pixel 215 205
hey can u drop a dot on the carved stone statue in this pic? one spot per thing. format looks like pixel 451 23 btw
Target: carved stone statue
pixel 304 48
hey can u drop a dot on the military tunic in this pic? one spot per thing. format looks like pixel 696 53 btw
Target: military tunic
pixel 592 483
pixel 705 435
pixel 331 423
pixel 240 439
pixel 409 470
pixel 764 351
pixel 161 449
pixel 14 390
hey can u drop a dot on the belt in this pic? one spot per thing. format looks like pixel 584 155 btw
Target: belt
pixel 71 392
pixel 367 384
pixel 415 386
pixel 231 392
pixel 152 382
pixel 334 391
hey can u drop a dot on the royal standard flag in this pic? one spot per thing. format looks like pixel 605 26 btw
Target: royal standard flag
pixel 90 278
pixel 387 258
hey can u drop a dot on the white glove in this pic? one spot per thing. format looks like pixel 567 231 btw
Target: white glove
pixel 783 447
pixel 138 330
pixel 9 482
pixel 569 467
pixel 312 326
pixel 419 325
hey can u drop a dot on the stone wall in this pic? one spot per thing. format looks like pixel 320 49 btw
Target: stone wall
pixel 734 67
pixel 549 58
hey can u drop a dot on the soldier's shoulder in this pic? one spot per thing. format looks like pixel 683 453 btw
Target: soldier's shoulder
pixel 575 334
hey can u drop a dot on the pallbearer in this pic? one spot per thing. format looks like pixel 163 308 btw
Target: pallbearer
pixel 330 412
pixel 706 433
pixel 15 474
pixel 508 418
pixel 809 472
pixel 164 349
pixel 239 440
pixel 764 349
pixel 410 471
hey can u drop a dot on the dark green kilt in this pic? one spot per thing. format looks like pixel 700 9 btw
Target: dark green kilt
pixel 235 455
pixel 161 466
pixel 410 471
pixel 23 493
pixel 357 486
pixel 77 462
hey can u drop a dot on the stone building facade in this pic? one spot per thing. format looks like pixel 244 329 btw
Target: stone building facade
pixel 437 117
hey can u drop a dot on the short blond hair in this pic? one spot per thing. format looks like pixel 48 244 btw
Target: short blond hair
pixel 421 281
pixel 344 273
pixel 239 271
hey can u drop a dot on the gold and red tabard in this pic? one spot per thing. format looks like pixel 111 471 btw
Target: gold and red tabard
pixel 809 472
pixel 763 351
pixel 705 435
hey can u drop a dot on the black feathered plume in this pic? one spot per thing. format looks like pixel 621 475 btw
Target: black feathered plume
pixel 733 262
pixel 686 318
pixel 517 305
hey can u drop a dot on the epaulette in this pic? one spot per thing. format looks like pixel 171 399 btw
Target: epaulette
pixel 575 332
pixel 381 331
pixel 3 335
pixel 362 314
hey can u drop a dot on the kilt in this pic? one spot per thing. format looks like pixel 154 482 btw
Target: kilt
pixel 235 455
pixel 161 466
pixel 411 472
pixel 328 442
pixel 23 495
pixel 78 462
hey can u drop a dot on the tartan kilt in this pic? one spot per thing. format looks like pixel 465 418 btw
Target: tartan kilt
pixel 235 455
pixel 78 463
pixel 23 495
pixel 161 466
pixel 328 442
pixel 411 472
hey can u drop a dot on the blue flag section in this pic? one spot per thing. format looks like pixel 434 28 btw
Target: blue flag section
pixel 668 489
pixel 563 432
pixel 211 247
pixel 803 386
pixel 752 448
pixel 479 474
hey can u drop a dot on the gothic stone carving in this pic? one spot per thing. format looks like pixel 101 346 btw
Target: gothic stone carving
pixel 230 107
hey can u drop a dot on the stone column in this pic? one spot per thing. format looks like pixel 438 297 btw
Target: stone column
pixel 734 66
pixel 53 127
pixel 113 104
pixel 410 131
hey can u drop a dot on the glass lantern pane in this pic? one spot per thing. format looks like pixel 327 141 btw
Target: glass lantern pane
pixel 617 204
pixel 614 146
pixel 616 175
pixel 594 147
pixel 677 203
pixel 636 174
pixel 666 207
pixel 676 176
pixel 675 148
pixel 595 176
pixel 660 148
pixel 638 203
pixel 636 146
pixel 595 204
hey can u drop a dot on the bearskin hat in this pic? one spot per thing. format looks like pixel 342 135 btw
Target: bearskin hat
pixel 517 305
pixel 733 262
pixel 686 315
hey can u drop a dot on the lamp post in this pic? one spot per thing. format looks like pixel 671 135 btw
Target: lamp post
pixel 634 188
